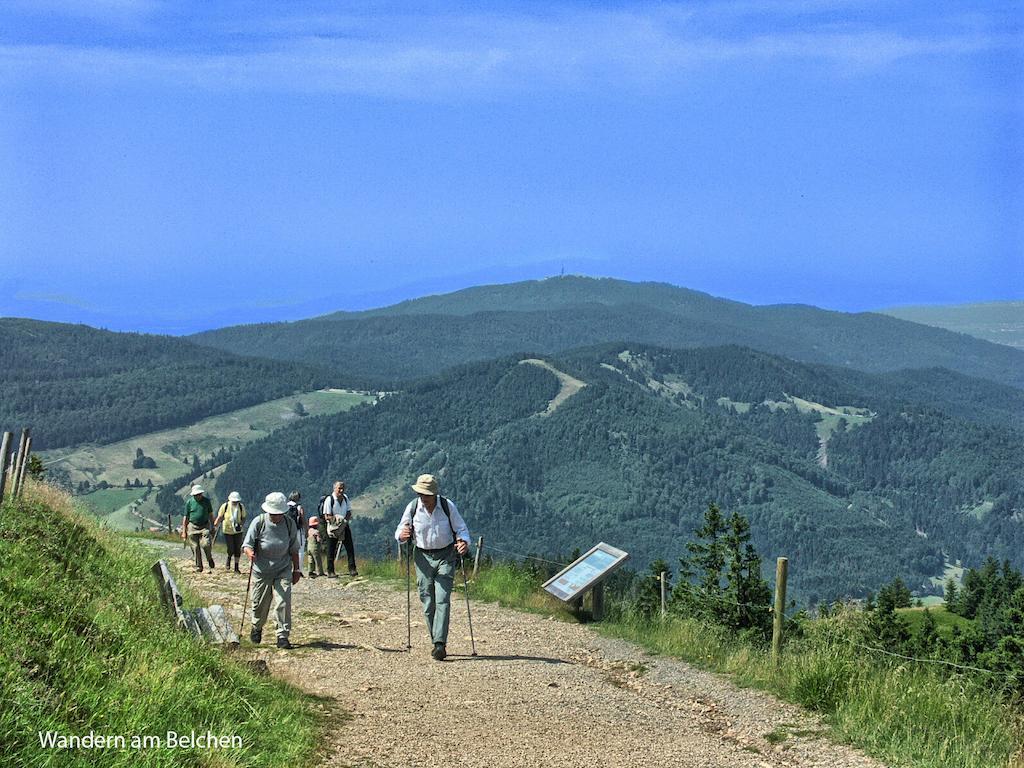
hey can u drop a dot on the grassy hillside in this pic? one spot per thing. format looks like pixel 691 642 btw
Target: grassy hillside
pixel 1001 322
pixel 74 384
pixel 415 338
pixel 85 647
pixel 173 449
pixel 634 457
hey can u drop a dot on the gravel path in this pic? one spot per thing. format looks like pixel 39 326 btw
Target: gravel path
pixel 540 693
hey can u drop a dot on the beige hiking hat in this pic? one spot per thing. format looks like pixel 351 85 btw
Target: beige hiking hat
pixel 426 484
pixel 197 489
pixel 234 496
pixel 276 503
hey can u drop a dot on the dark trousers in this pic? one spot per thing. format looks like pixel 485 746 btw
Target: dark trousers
pixel 333 545
pixel 233 543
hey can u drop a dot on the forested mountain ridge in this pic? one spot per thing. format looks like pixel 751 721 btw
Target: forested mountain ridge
pixel 391 346
pixel 75 384
pixel 998 321
pixel 635 456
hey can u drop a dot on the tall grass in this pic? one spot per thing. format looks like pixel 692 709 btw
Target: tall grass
pixel 85 647
pixel 904 713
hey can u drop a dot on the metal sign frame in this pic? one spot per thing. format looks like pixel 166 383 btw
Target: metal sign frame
pixel 619 558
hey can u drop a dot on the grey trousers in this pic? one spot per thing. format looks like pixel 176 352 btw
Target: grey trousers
pixel 435 574
pixel 199 539
pixel 273 588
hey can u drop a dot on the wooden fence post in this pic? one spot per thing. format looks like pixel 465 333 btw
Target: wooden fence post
pixel 170 530
pixel 24 466
pixel 476 560
pixel 5 453
pixel 18 460
pixel 664 606
pixel 781 568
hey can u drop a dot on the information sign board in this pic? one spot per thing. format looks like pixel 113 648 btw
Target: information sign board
pixel 585 572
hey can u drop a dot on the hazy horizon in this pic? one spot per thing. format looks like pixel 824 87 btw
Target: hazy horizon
pixel 173 167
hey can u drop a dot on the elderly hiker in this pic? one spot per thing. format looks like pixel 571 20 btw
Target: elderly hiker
pixel 336 514
pixel 439 532
pixel 272 545
pixel 231 516
pixel 196 525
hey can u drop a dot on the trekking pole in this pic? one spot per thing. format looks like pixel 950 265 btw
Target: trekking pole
pixel 408 596
pixel 469 614
pixel 245 604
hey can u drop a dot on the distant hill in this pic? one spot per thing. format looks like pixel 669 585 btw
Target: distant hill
pixel 998 321
pixel 75 384
pixel 856 477
pixel 389 346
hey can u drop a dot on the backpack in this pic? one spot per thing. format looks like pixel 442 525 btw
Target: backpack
pixel 261 525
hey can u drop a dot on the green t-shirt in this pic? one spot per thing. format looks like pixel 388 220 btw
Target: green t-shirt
pixel 198 512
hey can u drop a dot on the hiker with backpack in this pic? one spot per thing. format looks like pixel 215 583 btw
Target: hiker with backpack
pixel 433 523
pixel 195 527
pixel 272 546
pixel 336 514
pixel 232 515
pixel 298 514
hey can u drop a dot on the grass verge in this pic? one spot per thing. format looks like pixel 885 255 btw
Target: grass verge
pixel 903 713
pixel 85 647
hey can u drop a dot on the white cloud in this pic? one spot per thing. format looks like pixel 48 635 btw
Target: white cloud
pixel 470 55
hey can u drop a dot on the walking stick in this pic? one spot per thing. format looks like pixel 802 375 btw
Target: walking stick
pixel 245 604
pixel 408 596
pixel 469 614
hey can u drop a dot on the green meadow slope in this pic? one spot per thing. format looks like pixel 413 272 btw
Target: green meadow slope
pixel 85 647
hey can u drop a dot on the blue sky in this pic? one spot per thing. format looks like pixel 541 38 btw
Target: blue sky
pixel 173 166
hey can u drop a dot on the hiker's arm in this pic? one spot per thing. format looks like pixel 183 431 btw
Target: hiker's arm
pixel 461 529
pixel 404 529
pixel 249 543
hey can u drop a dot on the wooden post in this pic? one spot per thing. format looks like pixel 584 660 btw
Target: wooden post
pixel 597 598
pixel 664 607
pixel 170 530
pixel 16 469
pixel 476 560
pixel 5 453
pixel 781 568
pixel 24 466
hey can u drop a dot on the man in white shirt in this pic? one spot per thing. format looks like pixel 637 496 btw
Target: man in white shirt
pixel 439 532
pixel 336 514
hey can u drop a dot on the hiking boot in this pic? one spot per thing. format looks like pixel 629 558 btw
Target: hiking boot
pixel 282 642
pixel 228 563
pixel 197 568
pixel 332 575
pixel 313 574
pixel 353 574
pixel 256 636
pixel 236 568
pixel 439 652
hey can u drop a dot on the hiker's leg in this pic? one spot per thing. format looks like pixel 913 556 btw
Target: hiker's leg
pixel 262 594
pixel 207 542
pixel 283 603
pixel 302 547
pixel 443 582
pixel 350 550
pixel 193 540
pixel 332 553
pixel 425 586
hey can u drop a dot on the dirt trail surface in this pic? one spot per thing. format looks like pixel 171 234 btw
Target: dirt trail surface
pixel 540 693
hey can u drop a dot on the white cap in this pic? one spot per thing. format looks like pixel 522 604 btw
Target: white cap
pixel 197 489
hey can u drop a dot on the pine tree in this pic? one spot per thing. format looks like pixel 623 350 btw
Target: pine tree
pixel 747 592
pixel 951 593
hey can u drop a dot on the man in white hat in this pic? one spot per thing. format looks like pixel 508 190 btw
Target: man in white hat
pixel 232 515
pixel 195 527
pixel 439 532
pixel 272 545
